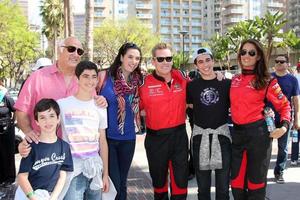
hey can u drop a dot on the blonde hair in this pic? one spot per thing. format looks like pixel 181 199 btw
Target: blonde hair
pixel 160 46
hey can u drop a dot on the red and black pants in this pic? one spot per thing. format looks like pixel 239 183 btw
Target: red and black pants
pixel 251 153
pixel 167 152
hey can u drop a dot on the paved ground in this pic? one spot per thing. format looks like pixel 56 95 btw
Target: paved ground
pixel 139 182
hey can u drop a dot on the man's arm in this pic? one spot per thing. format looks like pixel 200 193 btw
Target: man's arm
pixel 295 100
pixel 59 185
pixel 104 156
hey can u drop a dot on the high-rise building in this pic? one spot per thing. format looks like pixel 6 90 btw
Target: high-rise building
pixel 23 4
pixel 294 15
pixel 234 11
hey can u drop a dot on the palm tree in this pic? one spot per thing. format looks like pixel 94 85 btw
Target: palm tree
pixel 89 6
pixel 52 17
pixel 68 18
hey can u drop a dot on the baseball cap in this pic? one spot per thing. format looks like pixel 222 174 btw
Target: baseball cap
pixel 201 51
pixel 41 62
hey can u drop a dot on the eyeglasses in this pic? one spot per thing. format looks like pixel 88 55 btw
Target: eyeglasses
pixel 72 49
pixel 280 61
pixel 161 59
pixel 251 53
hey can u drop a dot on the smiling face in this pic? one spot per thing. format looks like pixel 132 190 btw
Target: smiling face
pixel 130 61
pixel 248 56
pixel 48 121
pixel 162 68
pixel 68 59
pixel 205 65
pixel 88 80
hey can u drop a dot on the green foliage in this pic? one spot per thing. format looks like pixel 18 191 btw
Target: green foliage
pixel 17 43
pixel 180 61
pixel 110 36
pixel 267 30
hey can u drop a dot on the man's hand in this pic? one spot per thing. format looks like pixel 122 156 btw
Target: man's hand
pixel 32 136
pixel 24 148
pixel 105 184
pixel 101 101
pixel 278 132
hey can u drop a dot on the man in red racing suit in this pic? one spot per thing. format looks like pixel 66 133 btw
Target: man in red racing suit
pixel 163 96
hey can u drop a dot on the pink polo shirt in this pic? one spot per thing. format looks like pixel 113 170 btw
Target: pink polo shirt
pixel 47 82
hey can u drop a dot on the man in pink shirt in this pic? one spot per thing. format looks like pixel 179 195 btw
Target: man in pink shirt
pixel 57 81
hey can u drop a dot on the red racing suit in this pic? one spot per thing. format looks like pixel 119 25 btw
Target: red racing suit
pixel 166 141
pixel 251 144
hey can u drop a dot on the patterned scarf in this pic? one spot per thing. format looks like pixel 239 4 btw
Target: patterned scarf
pixel 130 88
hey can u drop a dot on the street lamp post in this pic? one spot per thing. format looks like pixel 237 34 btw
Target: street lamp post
pixel 183 33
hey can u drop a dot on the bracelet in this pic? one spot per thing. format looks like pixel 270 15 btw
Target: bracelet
pixel 30 194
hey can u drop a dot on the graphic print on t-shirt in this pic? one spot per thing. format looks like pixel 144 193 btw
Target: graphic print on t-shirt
pixel 209 96
pixel 54 159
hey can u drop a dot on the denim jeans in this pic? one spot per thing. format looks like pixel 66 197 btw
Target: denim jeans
pixel 120 158
pixel 295 149
pixel 79 189
pixel 222 176
pixel 282 154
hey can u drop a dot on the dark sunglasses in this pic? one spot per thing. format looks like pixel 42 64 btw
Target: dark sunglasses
pixel 201 51
pixel 280 61
pixel 161 59
pixel 72 49
pixel 251 53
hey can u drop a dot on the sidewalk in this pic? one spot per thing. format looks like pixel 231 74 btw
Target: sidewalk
pixel 140 188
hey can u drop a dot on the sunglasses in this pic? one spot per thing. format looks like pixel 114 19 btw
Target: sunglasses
pixel 251 53
pixel 72 49
pixel 280 61
pixel 161 59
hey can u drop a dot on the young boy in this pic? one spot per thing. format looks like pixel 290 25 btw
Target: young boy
pixel 43 173
pixel 83 127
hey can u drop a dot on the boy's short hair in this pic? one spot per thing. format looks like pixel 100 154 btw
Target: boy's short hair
pixel 285 56
pixel 160 46
pixel 45 104
pixel 83 65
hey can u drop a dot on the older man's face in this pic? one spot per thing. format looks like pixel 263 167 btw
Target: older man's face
pixel 70 53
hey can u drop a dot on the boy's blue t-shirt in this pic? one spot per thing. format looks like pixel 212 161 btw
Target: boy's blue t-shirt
pixel 289 86
pixel 44 163
pixel 112 131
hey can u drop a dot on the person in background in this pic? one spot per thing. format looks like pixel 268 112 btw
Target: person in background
pixel 289 85
pixel 295 145
pixel 120 87
pixel 163 97
pixel 42 173
pixel 251 141
pixel 211 140
pixel 7 138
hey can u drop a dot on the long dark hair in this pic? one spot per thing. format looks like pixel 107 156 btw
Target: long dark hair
pixel 261 72
pixel 117 62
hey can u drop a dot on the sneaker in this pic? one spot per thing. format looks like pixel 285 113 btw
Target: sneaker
pixel 294 163
pixel 279 178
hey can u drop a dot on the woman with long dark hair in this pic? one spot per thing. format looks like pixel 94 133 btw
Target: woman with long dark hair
pixel 251 141
pixel 119 85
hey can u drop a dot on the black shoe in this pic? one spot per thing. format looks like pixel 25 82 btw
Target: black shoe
pixel 279 179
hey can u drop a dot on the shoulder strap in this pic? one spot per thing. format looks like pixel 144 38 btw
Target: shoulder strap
pixel 265 99
pixel 102 80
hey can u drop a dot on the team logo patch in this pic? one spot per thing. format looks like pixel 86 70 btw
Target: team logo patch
pixel 209 96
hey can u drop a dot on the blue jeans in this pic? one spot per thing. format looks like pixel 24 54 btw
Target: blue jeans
pixel 295 149
pixel 79 189
pixel 282 154
pixel 120 158
pixel 222 176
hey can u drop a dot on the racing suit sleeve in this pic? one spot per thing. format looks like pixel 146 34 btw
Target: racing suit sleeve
pixel 280 102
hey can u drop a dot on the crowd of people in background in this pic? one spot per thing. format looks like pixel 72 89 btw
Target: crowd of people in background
pixel 80 125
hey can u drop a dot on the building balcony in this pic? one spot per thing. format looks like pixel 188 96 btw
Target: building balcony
pixel 144 16
pixel 233 20
pixel 233 11
pixel 99 5
pixel 275 5
pixel 234 2
pixel 143 6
